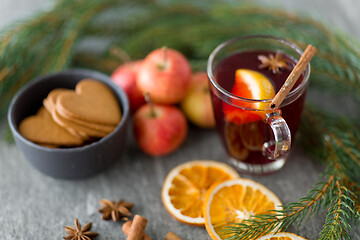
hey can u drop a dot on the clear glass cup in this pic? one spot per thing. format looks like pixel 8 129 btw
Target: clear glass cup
pixel 256 138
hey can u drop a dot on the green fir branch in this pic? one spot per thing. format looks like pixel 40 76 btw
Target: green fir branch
pixel 341 212
pixel 336 194
pixel 274 221
pixel 337 219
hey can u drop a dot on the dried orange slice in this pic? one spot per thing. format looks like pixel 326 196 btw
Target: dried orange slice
pixel 185 186
pixel 233 201
pixel 281 236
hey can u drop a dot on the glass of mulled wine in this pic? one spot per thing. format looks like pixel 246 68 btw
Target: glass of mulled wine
pixel 245 73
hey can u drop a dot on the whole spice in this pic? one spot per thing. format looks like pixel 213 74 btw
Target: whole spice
pixel 79 233
pixel 137 230
pixel 126 227
pixel 273 63
pixel 115 210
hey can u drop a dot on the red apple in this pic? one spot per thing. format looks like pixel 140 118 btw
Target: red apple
pixel 197 104
pixel 125 76
pixel 165 74
pixel 159 129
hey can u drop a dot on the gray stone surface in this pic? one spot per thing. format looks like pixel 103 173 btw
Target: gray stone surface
pixel 34 206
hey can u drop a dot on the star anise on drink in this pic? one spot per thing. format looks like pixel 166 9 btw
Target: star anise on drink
pixel 115 210
pixel 273 63
pixel 79 233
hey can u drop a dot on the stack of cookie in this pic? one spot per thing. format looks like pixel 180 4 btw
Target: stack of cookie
pixel 73 117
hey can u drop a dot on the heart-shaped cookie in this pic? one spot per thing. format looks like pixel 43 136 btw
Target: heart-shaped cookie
pixel 41 128
pixel 92 101
pixel 77 125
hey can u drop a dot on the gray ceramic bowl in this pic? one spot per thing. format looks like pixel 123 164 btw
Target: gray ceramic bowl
pixel 67 163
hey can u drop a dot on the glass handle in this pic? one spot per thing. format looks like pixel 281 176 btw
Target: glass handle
pixel 280 147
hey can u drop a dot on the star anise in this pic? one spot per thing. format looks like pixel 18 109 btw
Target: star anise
pixel 273 63
pixel 115 210
pixel 79 233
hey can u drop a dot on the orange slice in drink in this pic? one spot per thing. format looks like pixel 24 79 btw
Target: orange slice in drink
pixel 234 142
pixel 248 84
pixel 281 236
pixel 185 186
pixel 253 135
pixel 233 201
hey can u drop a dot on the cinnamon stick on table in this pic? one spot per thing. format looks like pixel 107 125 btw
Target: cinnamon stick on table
pixel 137 230
pixel 171 236
pixel 126 229
pixel 308 54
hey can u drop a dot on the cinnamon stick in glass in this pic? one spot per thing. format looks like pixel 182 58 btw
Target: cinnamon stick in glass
pixel 308 54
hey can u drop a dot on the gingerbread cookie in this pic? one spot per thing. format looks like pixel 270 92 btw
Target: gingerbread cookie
pixel 76 126
pixel 92 101
pixel 41 128
pixel 93 125
pixel 49 104
pixel 73 117
pixel 50 101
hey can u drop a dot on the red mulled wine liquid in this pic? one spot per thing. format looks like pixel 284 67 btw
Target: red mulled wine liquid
pixel 244 141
